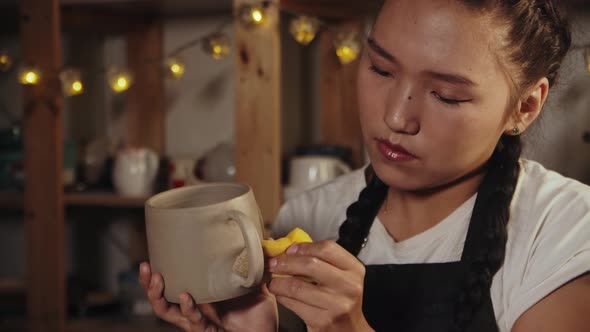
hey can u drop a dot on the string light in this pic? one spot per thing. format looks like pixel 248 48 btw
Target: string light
pixel 348 47
pixel 29 76
pixel 5 61
pixel 304 29
pixel 217 46
pixel 71 82
pixel 176 67
pixel 119 79
pixel 252 16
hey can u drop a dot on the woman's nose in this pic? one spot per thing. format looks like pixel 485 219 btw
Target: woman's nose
pixel 401 115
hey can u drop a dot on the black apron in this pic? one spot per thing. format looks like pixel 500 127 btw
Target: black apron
pixel 422 297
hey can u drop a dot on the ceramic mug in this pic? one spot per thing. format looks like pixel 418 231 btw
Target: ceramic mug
pixel 195 235
pixel 311 171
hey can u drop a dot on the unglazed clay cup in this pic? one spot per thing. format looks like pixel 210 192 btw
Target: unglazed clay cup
pixel 196 233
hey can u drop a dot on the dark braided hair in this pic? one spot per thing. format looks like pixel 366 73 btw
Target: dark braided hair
pixel 538 38
pixel 492 212
pixel 360 214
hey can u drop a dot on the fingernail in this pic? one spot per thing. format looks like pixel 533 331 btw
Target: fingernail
pixel 143 268
pixel 272 263
pixel 292 249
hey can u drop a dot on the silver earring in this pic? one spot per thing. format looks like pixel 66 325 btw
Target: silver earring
pixel 515 131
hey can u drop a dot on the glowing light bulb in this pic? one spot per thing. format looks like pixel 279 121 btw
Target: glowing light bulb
pixel 120 80
pixel 71 82
pixel 29 76
pixel 5 62
pixel 257 15
pixel 217 46
pixel 304 29
pixel 77 86
pixel 253 15
pixel 176 67
pixel 348 47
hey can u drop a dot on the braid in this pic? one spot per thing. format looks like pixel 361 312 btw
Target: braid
pixel 360 215
pixel 492 211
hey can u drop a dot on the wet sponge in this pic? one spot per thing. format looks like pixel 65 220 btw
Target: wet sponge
pixel 271 248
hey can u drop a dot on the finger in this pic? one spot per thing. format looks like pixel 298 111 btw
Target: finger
pixel 189 310
pixel 162 308
pixel 302 291
pixel 209 312
pixel 329 252
pixel 312 316
pixel 145 274
pixel 307 266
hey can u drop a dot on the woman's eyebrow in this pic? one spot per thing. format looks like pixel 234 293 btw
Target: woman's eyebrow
pixel 452 78
pixel 381 51
pixel 456 79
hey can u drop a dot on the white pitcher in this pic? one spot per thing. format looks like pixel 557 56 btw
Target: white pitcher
pixel 134 172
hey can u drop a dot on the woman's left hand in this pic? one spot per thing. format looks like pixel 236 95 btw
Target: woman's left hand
pixel 334 301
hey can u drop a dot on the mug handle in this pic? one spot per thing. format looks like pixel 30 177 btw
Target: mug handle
pixel 253 246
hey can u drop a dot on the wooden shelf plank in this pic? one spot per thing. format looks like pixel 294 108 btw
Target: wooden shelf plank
pixel 11 200
pixel 12 286
pixel 104 199
pixel 15 200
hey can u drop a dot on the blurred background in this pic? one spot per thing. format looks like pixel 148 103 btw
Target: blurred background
pixel 104 103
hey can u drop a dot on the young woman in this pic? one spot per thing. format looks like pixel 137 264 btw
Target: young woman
pixel 447 229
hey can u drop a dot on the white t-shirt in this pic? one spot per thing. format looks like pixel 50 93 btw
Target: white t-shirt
pixel 548 235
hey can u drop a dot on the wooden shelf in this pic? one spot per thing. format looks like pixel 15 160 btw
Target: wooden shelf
pixel 104 199
pixel 11 200
pixel 14 200
pixel 12 286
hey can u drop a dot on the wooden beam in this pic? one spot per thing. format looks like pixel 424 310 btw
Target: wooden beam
pixel 91 19
pixel 339 119
pixel 145 99
pixel 258 108
pixel 44 216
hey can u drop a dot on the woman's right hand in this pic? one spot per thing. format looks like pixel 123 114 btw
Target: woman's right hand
pixel 256 311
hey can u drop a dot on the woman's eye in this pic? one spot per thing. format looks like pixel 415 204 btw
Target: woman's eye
pixel 379 71
pixel 450 101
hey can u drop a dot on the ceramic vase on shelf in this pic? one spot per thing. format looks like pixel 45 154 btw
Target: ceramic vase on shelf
pixel 135 171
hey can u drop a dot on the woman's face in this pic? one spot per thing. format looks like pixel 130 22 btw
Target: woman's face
pixel 430 83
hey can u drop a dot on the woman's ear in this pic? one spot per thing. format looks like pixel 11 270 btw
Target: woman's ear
pixel 529 108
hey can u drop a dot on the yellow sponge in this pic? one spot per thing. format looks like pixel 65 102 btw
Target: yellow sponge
pixel 273 248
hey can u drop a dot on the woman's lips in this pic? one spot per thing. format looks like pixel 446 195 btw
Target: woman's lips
pixel 394 152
